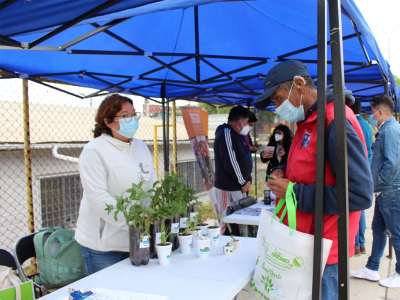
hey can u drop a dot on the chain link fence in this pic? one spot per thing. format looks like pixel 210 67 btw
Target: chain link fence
pixel 60 125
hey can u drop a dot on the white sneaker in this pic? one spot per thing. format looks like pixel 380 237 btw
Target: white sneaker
pixel 365 273
pixel 392 282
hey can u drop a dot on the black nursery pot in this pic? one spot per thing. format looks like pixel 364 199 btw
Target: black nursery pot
pixel 139 256
pixel 173 238
pixel 154 228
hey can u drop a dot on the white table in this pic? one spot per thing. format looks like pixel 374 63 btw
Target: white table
pixel 187 277
pixel 247 219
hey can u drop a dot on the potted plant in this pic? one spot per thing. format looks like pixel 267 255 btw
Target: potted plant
pixel 228 249
pixel 164 248
pixel 137 217
pixel 201 220
pixel 185 238
pixel 203 246
pixel 168 202
pixel 214 231
pixel 236 243
pixel 196 232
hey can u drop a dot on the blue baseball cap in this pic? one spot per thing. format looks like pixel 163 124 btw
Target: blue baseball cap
pixel 280 73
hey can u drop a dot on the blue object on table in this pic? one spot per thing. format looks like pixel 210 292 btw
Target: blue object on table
pixel 78 295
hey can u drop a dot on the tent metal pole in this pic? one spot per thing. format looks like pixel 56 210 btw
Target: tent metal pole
pixel 197 43
pixel 320 173
pixel 340 147
pixel 163 127
pixel 92 33
pixel 108 88
pixel 55 88
pixel 167 137
pixel 6 3
pixel 72 23
pixel 174 138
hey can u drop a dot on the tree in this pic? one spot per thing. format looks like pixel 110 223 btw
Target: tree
pixel 215 111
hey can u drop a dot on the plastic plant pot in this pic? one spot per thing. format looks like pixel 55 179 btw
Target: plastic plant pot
pixel 236 244
pixel 196 235
pixel 138 252
pixel 185 243
pixel 214 233
pixel 164 253
pixel 203 229
pixel 228 250
pixel 203 247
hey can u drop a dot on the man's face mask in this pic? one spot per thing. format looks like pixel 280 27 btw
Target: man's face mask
pixel 371 119
pixel 290 113
pixel 245 129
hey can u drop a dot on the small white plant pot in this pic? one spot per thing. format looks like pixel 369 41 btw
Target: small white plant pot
pixel 185 243
pixel 196 235
pixel 214 233
pixel 236 244
pixel 203 229
pixel 228 250
pixel 164 254
pixel 203 247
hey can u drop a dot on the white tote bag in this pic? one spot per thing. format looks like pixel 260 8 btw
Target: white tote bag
pixel 8 279
pixel 284 266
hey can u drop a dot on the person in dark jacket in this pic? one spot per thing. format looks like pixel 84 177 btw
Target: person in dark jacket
pixel 367 131
pixel 248 140
pixel 232 161
pixel 281 138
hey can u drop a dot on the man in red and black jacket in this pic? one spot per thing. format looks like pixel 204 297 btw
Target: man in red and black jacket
pixel 291 88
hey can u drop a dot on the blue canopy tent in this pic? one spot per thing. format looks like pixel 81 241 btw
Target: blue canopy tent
pixel 210 51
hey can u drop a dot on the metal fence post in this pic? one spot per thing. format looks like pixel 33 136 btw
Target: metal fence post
pixel 28 162
pixel 320 173
pixel 336 43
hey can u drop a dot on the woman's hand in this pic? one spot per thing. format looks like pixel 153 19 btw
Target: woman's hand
pixel 281 153
pixel 264 154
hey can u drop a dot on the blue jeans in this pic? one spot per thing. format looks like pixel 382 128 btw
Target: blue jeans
pixel 330 283
pixel 360 237
pixel 386 217
pixel 97 260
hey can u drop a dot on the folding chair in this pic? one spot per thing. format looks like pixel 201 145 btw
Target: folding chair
pixel 24 249
pixel 6 259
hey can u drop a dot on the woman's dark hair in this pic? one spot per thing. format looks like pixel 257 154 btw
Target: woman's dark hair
pixel 287 136
pixel 108 109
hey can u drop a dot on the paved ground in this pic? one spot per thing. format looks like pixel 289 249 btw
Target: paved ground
pixel 364 289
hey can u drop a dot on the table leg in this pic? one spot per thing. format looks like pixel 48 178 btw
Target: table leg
pixel 246 231
pixel 229 227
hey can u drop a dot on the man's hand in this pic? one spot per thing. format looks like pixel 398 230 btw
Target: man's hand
pixel 246 188
pixel 278 186
pixel 278 173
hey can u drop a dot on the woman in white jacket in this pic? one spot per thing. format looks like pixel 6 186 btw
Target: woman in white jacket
pixel 108 166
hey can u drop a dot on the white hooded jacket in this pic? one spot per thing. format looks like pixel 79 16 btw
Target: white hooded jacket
pixel 107 168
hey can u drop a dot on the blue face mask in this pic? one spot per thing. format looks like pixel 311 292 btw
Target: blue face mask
pixel 290 113
pixel 128 129
pixel 371 119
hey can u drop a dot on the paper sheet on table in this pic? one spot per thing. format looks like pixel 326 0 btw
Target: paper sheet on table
pixel 108 294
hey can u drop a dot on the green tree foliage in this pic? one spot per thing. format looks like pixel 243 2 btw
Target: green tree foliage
pixel 215 111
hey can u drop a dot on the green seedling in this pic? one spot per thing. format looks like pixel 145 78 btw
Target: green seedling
pixel 216 220
pixel 133 209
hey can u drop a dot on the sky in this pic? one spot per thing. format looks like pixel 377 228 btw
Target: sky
pixel 382 17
